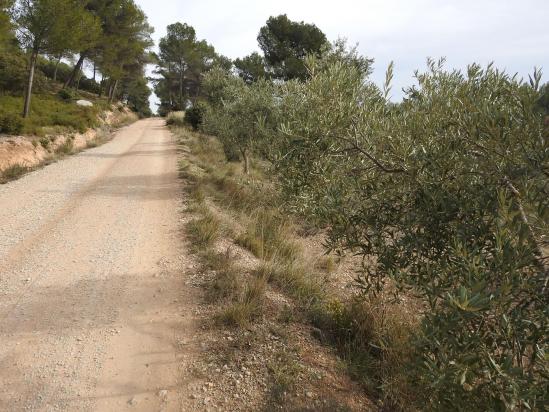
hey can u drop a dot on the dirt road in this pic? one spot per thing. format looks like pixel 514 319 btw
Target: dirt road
pixel 93 307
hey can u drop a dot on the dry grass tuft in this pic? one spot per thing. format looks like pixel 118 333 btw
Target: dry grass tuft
pixel 205 229
pixel 175 119
pixel 66 148
pixel 227 283
pixel 268 236
pixel 294 279
pixel 248 307
pixel 373 336
pixel 326 264
pixel 285 372
pixel 12 173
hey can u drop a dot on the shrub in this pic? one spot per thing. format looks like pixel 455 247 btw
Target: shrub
pixel 238 114
pixel 13 172
pixel 175 119
pixel 193 116
pixel 66 95
pixel 65 148
pixel 11 124
pixel 45 142
pixel 13 72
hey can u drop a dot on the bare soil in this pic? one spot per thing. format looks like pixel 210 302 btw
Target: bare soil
pixel 94 309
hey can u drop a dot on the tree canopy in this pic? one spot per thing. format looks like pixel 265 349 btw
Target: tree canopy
pixel 286 43
pixel 182 60
pixel 113 34
pixel 251 68
pixel 48 26
pixel 5 23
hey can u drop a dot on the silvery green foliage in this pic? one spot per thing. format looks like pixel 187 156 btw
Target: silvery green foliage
pixel 448 194
pixel 444 195
pixel 239 114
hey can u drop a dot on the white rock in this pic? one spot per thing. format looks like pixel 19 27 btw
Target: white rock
pixel 85 103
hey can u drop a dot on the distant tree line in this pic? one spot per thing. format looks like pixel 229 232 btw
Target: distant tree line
pixel 183 59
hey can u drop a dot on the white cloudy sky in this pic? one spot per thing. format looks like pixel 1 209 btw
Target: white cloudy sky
pixel 512 33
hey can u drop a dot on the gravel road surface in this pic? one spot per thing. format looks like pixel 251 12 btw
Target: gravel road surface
pixel 93 306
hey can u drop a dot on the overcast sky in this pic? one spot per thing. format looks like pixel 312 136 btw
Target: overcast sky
pixel 512 33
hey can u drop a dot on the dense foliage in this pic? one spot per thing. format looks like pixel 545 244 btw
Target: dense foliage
pixel 38 37
pixel 287 43
pixel 251 68
pixel 182 61
pixel 445 195
pixel 238 113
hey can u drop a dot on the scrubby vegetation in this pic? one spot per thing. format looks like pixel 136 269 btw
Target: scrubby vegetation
pixel 444 198
pixel 48 112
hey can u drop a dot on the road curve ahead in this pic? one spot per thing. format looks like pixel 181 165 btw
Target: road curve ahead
pixel 92 301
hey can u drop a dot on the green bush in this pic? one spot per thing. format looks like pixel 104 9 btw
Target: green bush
pixel 11 123
pixel 13 72
pixel 45 142
pixel 193 116
pixel 66 95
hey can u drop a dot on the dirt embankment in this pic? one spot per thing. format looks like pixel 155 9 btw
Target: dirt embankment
pixel 32 151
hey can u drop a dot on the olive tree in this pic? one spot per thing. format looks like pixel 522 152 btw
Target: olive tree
pixel 238 113
pixel 446 198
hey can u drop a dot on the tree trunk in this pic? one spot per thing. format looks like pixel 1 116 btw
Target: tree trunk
pixel 181 89
pixel 113 91
pixel 74 73
pixel 100 87
pixel 169 79
pixel 56 67
pixel 28 92
pixel 245 161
